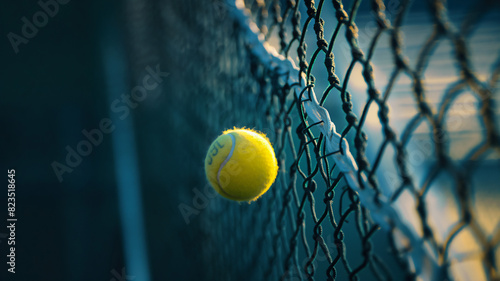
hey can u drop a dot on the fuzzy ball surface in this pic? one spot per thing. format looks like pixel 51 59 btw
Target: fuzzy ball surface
pixel 241 164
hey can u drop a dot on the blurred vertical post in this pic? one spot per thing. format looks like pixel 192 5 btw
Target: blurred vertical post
pixel 125 160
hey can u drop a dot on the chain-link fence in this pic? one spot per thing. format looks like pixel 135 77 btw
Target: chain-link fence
pixel 384 122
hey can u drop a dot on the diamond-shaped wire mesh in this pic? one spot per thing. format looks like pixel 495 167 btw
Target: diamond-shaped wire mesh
pixel 420 119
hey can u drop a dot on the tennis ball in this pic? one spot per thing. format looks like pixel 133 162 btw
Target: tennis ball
pixel 241 164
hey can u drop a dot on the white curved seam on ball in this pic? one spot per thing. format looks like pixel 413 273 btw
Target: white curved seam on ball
pixel 233 139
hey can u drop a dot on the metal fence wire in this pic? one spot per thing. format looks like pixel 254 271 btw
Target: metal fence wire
pixel 350 201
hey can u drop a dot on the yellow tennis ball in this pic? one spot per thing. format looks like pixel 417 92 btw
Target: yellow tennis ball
pixel 241 164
